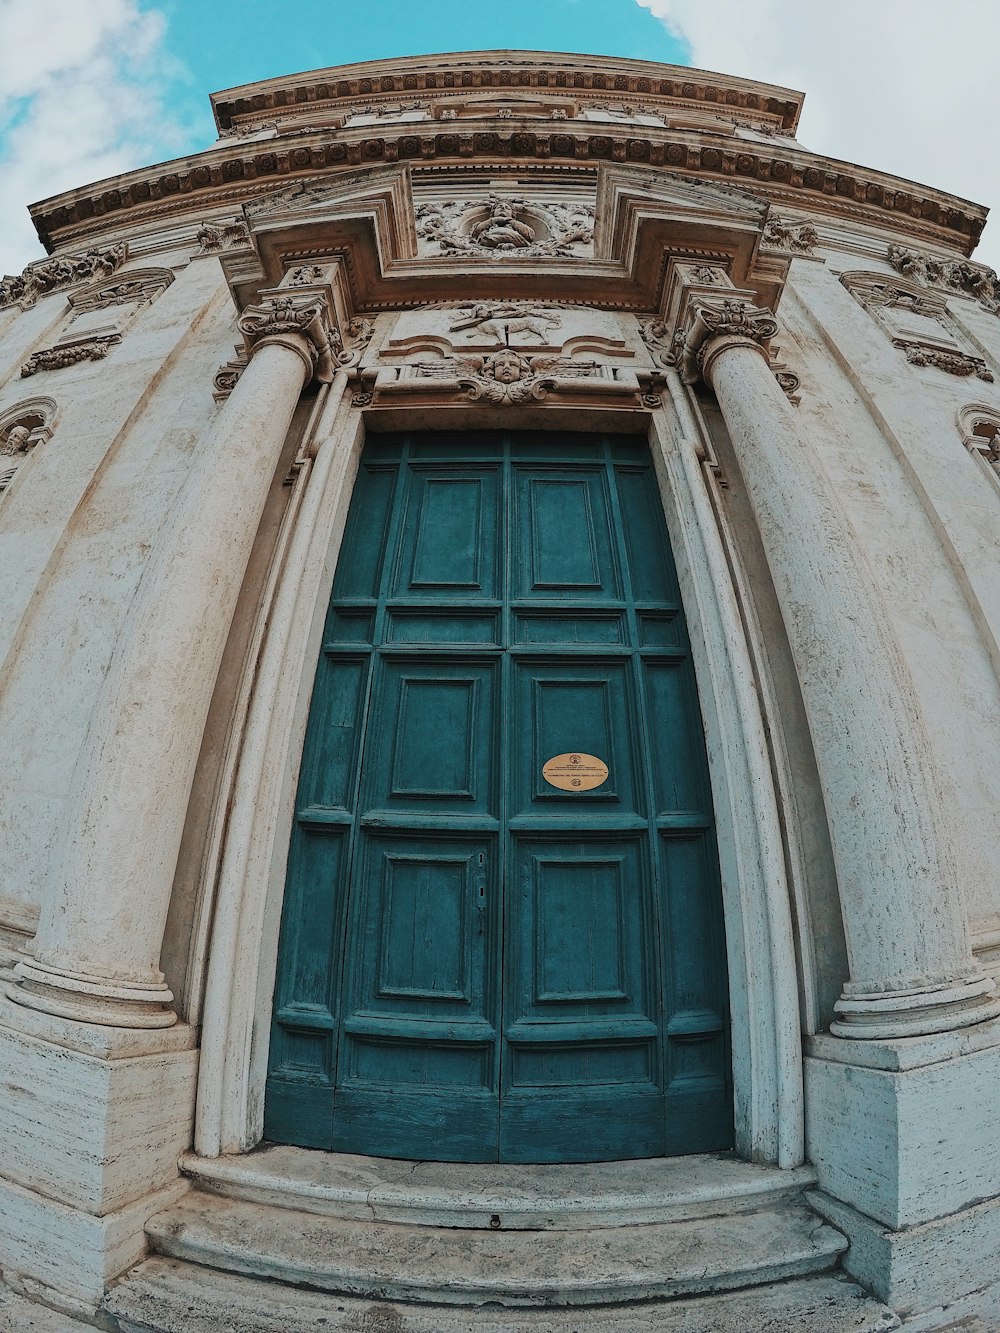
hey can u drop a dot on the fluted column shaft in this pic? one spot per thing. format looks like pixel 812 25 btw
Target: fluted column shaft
pixel 96 952
pixel 912 969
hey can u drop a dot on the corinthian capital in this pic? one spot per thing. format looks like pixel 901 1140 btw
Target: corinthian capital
pixel 306 315
pixel 709 318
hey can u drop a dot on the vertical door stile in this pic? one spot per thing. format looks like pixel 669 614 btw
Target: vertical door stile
pixel 506 756
pixel 644 721
pixel 388 555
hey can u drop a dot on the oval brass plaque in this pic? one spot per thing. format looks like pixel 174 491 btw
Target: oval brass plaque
pixel 575 772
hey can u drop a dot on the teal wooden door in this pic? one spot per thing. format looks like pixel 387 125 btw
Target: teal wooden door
pixel 476 963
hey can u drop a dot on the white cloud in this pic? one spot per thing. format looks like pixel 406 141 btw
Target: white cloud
pixel 901 85
pixel 80 99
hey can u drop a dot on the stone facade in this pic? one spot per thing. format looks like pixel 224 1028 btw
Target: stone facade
pixel 500 242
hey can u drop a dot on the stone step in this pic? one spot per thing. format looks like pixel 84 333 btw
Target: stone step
pixel 168 1296
pixel 390 1261
pixel 475 1195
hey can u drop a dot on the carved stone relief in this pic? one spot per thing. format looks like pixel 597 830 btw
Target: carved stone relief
pixel 918 323
pixel 506 376
pixel 71 352
pixel 50 275
pixel 22 429
pixel 794 238
pixel 505 225
pixel 504 353
pixel 137 288
pixel 980 428
pixel 98 319
pixel 215 237
pixel 706 318
pixel 961 277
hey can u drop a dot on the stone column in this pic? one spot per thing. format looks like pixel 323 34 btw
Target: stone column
pixel 97 949
pixel 911 963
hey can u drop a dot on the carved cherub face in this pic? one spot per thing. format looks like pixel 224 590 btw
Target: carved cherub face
pixel 507 367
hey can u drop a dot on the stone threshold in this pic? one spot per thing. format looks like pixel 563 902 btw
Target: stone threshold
pixel 498 1196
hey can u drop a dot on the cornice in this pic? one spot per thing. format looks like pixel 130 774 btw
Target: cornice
pixel 551 72
pixel 780 174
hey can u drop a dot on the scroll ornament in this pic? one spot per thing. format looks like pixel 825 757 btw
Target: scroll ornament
pixel 708 320
pixel 305 315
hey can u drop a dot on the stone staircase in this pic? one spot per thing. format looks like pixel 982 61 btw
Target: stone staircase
pixel 296 1241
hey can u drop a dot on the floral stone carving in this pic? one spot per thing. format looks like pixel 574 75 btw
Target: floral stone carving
pixel 781 235
pixel 955 363
pixel 959 276
pixel 215 237
pixel 50 275
pixel 65 354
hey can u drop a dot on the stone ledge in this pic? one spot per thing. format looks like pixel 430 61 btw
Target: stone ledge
pixel 471 1195
pixel 471 1268
pixel 166 1294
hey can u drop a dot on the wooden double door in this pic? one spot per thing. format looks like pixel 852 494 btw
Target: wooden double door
pixel 486 954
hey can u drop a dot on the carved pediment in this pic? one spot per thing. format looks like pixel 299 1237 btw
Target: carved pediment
pixel 532 327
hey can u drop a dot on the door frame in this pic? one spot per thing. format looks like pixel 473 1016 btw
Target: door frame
pixel 244 873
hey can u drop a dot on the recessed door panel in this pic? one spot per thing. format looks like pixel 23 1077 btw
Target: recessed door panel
pixel 480 958
pixel 564 544
pixel 435 747
pixel 573 705
pixel 449 543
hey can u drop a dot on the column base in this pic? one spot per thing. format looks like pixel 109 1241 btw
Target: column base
pixel 923 1267
pixel 91 999
pixel 889 1015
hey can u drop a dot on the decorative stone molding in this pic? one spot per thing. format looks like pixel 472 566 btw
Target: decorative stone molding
pixel 955 363
pixel 215 237
pixel 506 225
pixel 22 429
pixel 94 348
pixel 50 275
pixel 374 87
pixel 306 316
pixel 508 376
pixel 793 238
pixel 359 335
pixel 961 277
pixel 917 321
pixel 670 350
pixel 501 353
pixel 138 288
pixel 706 320
pixel 980 429
pixel 227 376
pixel 788 382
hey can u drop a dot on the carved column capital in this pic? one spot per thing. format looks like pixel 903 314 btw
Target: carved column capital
pixel 707 321
pixel 300 322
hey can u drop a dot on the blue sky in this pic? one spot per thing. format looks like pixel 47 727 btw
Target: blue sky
pixel 91 88
pixel 227 42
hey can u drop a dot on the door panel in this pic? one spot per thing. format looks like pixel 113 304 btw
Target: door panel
pixel 476 963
